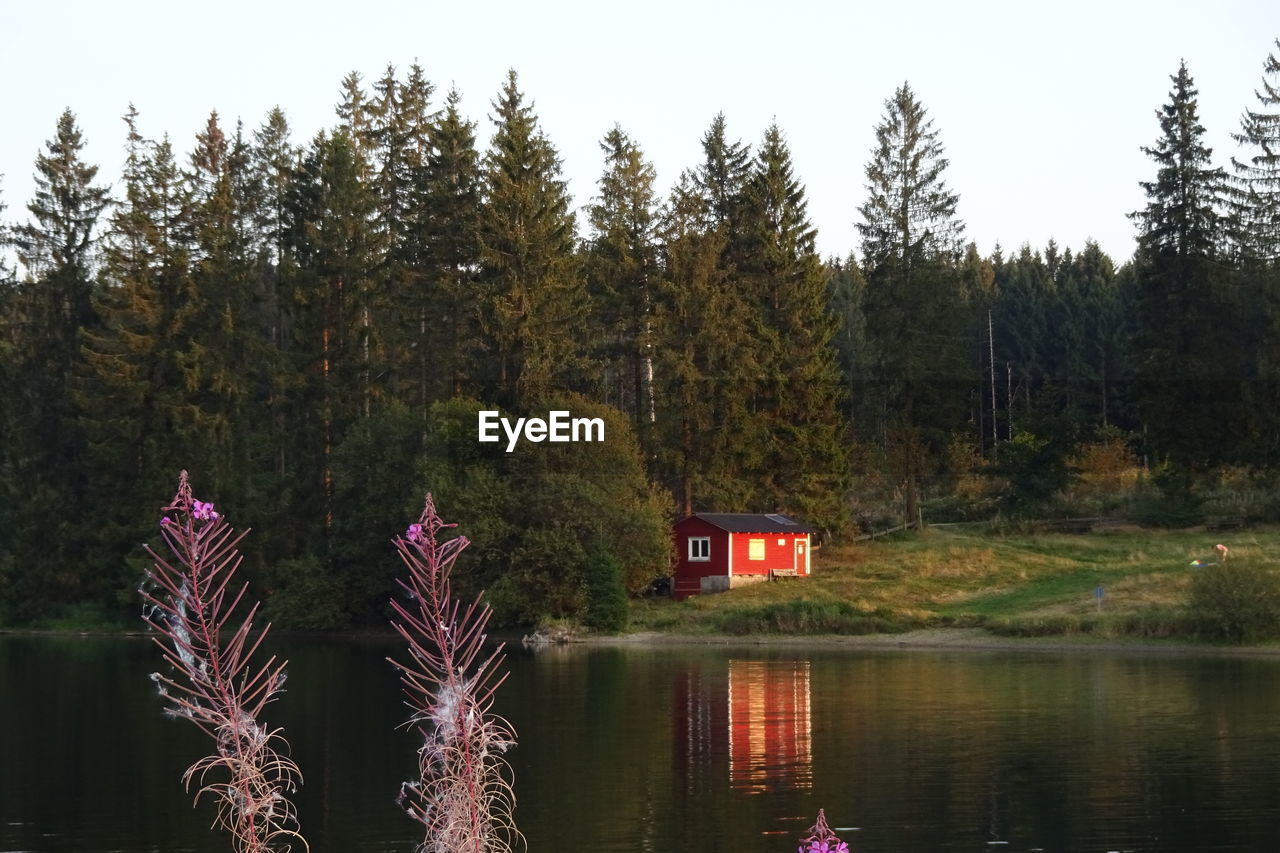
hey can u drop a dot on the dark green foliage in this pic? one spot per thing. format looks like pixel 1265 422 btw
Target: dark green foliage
pixel 797 393
pixel 44 438
pixel 917 314
pixel 1036 470
pixel 707 363
pixel 1236 601
pixel 534 515
pixel 622 272
pixel 534 301
pixel 606 597
pixel 1170 500
pixel 1255 199
pixel 374 487
pixel 303 595
pixel 1191 392
pixel 444 309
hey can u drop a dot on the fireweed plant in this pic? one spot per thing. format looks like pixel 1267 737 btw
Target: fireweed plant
pixel 463 796
pixel 214 682
pixel 821 839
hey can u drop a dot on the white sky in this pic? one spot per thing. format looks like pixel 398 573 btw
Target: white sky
pixel 1042 109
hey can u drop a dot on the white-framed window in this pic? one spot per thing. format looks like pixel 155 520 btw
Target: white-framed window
pixel 755 549
pixel 699 548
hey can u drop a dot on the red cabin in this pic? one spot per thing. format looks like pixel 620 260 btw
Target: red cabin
pixel 716 551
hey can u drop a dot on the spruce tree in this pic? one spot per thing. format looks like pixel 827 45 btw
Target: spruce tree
pixel 44 453
pixel 1189 366
pixel 1255 202
pixel 622 268
pixel 534 297
pixel 446 215
pixel 722 177
pixel 799 393
pixel 128 390
pixel 915 305
pixel 706 365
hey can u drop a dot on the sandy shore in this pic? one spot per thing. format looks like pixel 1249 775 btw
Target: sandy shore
pixel 935 639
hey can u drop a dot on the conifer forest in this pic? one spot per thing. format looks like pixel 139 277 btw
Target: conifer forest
pixel 310 327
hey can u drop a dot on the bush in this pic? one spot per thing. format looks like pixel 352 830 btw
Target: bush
pixel 302 596
pixel 606 599
pixel 1236 601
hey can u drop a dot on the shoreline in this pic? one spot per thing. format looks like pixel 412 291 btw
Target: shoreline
pixel 918 640
pixel 930 639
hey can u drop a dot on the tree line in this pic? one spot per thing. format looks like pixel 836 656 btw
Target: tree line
pixel 312 328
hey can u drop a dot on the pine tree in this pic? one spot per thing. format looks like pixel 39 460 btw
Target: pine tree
pixel 535 301
pixel 1189 363
pixel 915 307
pixel 1255 202
pixel 622 272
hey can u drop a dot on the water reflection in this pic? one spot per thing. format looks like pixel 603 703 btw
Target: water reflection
pixel 665 749
pixel 753 716
pixel 770 739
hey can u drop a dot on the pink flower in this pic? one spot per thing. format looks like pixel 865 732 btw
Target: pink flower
pixel 203 511
pixel 415 533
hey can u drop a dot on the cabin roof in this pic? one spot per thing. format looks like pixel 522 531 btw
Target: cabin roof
pixel 752 522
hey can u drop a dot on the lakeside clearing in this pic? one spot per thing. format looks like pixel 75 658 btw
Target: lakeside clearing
pixel 981 585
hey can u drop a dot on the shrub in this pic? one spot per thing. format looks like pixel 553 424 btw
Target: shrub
pixel 1236 601
pixel 606 599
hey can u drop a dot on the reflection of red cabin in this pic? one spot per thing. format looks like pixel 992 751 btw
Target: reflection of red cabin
pixel 716 551
pixel 770 737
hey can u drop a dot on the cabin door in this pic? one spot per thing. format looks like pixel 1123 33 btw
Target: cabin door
pixel 800 559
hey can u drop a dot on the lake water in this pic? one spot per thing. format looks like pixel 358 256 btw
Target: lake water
pixel 688 749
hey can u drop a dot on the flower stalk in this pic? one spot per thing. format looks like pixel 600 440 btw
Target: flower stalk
pixel 463 795
pixel 214 682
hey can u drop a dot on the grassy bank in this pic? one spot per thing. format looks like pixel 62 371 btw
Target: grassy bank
pixel 1012 584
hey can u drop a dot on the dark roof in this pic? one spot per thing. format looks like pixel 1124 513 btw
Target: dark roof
pixel 752 522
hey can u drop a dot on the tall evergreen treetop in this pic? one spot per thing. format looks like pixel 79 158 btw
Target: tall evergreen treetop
pixel 622 266
pixel 1181 216
pixel 528 237
pixel 778 224
pixel 66 207
pixel 1256 201
pixel 723 174
pixel 909 211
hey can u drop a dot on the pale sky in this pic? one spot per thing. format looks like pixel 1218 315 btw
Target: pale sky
pixel 1042 109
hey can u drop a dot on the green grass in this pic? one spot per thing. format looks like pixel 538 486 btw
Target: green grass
pixel 1013 583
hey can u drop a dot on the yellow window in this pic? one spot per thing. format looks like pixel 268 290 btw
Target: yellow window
pixel 755 549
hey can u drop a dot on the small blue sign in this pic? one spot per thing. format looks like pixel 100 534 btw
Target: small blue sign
pixel 1098 592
